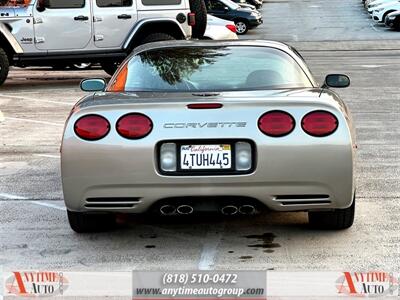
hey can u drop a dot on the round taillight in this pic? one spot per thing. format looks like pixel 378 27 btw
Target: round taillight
pixel 276 123
pixel 92 127
pixel 319 123
pixel 134 126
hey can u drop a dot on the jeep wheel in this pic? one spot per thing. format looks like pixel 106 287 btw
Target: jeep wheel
pixel 199 8
pixel 337 219
pixel 4 66
pixel 111 67
pixel 81 222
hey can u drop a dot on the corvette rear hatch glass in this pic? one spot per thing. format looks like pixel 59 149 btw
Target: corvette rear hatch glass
pixel 210 69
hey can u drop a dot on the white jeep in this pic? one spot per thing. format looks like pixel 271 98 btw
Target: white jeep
pixel 65 32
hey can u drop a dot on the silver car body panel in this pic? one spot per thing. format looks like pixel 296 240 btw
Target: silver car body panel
pixel 286 167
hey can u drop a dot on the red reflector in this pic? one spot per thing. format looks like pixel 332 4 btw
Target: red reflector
pixel 319 123
pixel 192 19
pixel 134 126
pixel 92 127
pixel 276 123
pixel 205 106
pixel 231 27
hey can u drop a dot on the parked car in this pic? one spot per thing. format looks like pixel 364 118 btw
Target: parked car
pixel 190 126
pixel 380 12
pixel 244 18
pixel 373 4
pixel 255 4
pixel 219 29
pixel 243 3
pixel 393 20
pixel 48 33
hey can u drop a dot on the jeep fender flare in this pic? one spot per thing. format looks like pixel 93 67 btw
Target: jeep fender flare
pixel 137 30
pixel 10 39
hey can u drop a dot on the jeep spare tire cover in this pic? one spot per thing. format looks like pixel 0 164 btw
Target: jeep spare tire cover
pixel 199 8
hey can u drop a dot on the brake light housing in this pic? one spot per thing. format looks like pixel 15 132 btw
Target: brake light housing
pixel 192 19
pixel 92 127
pixel 319 123
pixel 276 123
pixel 231 27
pixel 134 126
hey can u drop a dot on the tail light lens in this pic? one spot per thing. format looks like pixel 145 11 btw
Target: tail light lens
pixel 276 123
pixel 231 27
pixel 319 123
pixel 192 19
pixel 134 126
pixel 92 127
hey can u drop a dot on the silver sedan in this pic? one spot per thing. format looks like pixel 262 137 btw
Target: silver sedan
pixel 234 127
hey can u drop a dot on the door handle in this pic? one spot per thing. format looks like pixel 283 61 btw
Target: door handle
pixel 81 18
pixel 124 16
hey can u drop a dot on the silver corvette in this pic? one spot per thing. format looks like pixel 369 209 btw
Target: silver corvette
pixel 235 127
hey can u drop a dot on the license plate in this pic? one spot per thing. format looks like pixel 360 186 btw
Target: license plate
pixel 206 157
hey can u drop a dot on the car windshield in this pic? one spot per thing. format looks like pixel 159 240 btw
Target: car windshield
pixel 11 3
pixel 210 69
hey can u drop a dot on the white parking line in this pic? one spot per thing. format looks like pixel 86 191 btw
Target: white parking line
pixel 36 99
pixel 35 121
pixel 210 248
pixel 1 117
pixel 47 155
pixel 12 197
pixel 51 205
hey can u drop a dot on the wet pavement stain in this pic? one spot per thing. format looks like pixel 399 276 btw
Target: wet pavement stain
pixel 150 246
pixel 148 236
pixel 264 241
pixel 245 257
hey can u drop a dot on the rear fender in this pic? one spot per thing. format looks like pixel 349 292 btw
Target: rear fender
pixel 148 26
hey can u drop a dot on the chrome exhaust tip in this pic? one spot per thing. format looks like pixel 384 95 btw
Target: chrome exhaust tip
pixel 229 210
pixel 247 210
pixel 167 210
pixel 185 209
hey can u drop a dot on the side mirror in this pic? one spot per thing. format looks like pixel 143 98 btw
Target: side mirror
pixel 337 81
pixel 41 5
pixel 93 85
pixel 226 8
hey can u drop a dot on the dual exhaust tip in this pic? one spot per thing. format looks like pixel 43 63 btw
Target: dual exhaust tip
pixel 228 210
pixel 169 210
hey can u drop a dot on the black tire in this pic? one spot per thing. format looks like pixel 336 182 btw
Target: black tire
pixel 111 67
pixel 199 8
pixel 81 222
pixel 59 67
pixel 337 219
pixel 4 66
pixel 242 26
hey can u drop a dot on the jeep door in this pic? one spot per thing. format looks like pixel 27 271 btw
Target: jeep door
pixel 63 25
pixel 113 21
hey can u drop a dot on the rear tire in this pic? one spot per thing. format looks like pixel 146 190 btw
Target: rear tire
pixel 337 219
pixel 4 66
pixel 111 67
pixel 81 222
pixel 199 8
pixel 242 27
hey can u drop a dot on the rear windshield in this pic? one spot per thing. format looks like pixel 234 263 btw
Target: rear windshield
pixel 211 69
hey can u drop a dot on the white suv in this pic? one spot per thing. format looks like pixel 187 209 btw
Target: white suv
pixel 57 32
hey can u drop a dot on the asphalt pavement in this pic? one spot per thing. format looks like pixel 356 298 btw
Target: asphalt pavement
pixel 334 37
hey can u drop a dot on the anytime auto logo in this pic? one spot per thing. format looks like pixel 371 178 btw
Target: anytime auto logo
pixel 367 284
pixel 36 284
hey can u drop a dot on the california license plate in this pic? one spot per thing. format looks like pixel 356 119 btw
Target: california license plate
pixel 206 157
